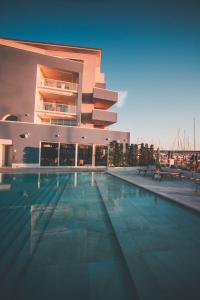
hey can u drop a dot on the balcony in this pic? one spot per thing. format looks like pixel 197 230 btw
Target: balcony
pixel 103 117
pixel 53 109
pixel 58 85
pixel 103 98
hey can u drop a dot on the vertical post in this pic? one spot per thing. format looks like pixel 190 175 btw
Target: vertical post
pixel 59 154
pixel 194 135
pixel 1 155
pixel 184 140
pixel 40 146
pixel 108 153
pixel 76 155
pixel 93 155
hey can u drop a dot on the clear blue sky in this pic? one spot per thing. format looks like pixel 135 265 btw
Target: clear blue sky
pixel 151 52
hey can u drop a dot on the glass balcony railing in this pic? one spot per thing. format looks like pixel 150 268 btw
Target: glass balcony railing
pixel 58 107
pixel 62 122
pixel 59 85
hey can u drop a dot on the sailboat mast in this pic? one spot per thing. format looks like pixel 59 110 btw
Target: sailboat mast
pixel 194 134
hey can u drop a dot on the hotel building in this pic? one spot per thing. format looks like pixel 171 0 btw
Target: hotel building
pixel 54 106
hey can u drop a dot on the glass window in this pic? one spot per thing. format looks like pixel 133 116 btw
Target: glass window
pixel 64 122
pixel 11 118
pixel 101 155
pixel 49 154
pixel 84 155
pixel 67 154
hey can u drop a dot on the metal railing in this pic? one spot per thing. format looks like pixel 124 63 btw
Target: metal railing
pixel 58 84
pixel 57 107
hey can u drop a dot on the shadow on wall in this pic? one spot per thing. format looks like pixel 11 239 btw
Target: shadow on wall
pixel 31 155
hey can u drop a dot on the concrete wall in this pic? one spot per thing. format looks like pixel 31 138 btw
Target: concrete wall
pixel 26 150
pixel 18 71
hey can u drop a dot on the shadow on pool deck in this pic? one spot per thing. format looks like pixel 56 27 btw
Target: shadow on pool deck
pixel 183 192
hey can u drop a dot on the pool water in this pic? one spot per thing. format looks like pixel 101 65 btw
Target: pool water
pixel 92 236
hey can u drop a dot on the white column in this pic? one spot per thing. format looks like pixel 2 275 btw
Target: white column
pixel 1 155
pixel 93 154
pixel 108 154
pixel 76 155
pixel 59 154
pixel 40 146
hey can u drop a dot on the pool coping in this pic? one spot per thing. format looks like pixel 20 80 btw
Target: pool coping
pixel 51 170
pixel 164 195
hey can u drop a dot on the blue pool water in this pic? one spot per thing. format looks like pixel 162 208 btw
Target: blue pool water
pixel 92 236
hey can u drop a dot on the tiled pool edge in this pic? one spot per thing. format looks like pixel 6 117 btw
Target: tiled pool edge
pixel 134 289
pixel 166 196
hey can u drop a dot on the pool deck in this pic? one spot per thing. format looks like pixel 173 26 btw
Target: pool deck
pixel 183 192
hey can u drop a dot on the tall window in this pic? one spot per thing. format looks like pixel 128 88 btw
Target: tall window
pixel 101 155
pixel 49 154
pixel 84 155
pixel 67 155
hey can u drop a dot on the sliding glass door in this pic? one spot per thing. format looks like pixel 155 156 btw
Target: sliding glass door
pixel 67 155
pixel 84 155
pixel 49 154
pixel 101 155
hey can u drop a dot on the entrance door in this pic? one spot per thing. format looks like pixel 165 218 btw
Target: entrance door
pixel 49 154
pixel 8 155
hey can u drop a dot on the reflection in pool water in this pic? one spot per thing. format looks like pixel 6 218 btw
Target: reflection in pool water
pixel 92 236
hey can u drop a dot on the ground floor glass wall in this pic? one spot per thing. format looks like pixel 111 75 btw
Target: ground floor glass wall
pixel 60 154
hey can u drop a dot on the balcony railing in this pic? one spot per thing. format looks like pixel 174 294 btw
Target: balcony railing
pixel 57 107
pixel 59 85
pixel 62 122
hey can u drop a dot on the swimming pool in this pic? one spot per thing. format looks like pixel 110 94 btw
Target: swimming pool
pixel 93 236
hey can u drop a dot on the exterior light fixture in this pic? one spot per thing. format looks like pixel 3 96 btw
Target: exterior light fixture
pixel 58 135
pixel 83 137
pixel 27 115
pixel 25 135
pixel 107 139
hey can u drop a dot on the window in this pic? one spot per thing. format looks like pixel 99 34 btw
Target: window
pixel 101 155
pixel 64 122
pixel 67 155
pixel 84 155
pixel 49 154
pixel 12 118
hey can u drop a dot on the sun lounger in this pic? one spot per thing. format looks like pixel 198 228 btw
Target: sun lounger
pixel 166 174
pixel 146 170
